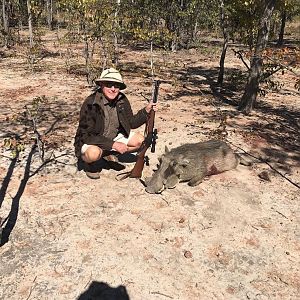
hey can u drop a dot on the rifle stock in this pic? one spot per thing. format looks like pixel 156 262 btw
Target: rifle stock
pixel 137 170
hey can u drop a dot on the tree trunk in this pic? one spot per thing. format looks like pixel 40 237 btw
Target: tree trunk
pixel 282 28
pixel 225 44
pixel 252 87
pixel 87 59
pixel 49 6
pixel 30 31
pixel 5 23
pixel 4 16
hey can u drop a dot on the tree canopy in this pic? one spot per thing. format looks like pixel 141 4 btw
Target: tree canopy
pixel 102 25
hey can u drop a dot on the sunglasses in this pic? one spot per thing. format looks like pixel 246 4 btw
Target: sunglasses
pixel 111 84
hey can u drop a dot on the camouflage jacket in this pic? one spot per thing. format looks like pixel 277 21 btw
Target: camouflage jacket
pixel 91 121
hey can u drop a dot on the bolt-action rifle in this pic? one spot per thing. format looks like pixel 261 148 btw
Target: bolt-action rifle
pixel 149 141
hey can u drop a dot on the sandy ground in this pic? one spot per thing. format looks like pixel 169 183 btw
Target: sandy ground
pixel 235 236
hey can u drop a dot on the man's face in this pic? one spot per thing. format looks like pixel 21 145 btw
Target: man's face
pixel 110 90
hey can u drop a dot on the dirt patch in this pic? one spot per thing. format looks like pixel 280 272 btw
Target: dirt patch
pixel 235 236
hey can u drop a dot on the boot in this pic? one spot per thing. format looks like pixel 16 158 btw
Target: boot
pixel 91 170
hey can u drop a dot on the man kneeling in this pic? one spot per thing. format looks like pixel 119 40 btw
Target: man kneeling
pixel 106 122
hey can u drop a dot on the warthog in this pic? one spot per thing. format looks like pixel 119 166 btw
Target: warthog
pixel 191 162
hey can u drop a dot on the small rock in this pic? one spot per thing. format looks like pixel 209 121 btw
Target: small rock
pixel 264 175
pixel 188 254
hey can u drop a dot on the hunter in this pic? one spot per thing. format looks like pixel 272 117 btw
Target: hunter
pixel 106 122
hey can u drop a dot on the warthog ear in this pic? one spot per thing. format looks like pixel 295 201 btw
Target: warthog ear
pixel 166 149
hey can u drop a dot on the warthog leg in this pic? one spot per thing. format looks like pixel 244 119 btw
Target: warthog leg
pixel 196 180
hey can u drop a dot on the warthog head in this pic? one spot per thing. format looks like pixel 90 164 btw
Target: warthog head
pixel 167 175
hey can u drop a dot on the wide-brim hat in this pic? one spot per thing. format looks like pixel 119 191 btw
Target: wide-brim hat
pixel 111 75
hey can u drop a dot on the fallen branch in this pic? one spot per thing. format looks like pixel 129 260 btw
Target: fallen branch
pixel 267 163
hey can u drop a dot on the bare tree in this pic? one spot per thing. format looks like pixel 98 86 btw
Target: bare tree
pixel 225 42
pixel 252 87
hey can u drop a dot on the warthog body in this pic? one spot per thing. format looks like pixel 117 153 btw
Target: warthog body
pixel 191 162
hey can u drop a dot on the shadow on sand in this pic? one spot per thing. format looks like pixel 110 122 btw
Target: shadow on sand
pixel 102 291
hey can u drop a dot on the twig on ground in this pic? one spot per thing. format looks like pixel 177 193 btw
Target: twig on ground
pixel 280 213
pixel 254 227
pixel 32 287
pixel 159 293
pixel 205 227
pixel 89 281
pixel 282 281
pixel 165 200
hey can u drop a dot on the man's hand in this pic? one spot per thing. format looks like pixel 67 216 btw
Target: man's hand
pixel 150 106
pixel 120 147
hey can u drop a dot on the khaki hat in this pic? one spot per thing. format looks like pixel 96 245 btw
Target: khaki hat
pixel 111 75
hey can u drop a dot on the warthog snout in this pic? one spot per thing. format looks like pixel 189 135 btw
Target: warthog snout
pixel 166 176
pixel 154 185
